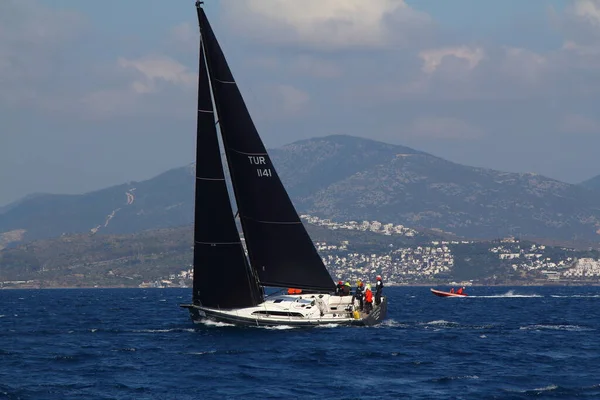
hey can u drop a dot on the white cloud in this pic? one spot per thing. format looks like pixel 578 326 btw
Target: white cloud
pixel 148 79
pixel 494 73
pixel 327 24
pixel 433 58
pixel 587 10
pixel 156 69
pixel 522 65
pixel 579 22
pixel 444 128
pixel 45 65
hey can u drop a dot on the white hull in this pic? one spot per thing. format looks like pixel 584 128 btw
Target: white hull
pixel 294 310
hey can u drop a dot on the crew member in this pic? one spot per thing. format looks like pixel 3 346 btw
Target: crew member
pixel 378 289
pixel 358 295
pixel 338 288
pixel 346 289
pixel 368 299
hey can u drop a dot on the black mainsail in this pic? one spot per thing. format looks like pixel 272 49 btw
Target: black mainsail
pixel 219 257
pixel 279 248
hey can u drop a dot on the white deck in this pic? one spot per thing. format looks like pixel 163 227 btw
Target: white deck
pixel 297 309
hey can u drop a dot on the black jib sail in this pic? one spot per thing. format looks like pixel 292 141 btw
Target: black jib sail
pixel 222 276
pixel 280 249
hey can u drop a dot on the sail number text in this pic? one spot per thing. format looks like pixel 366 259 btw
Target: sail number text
pixel 260 161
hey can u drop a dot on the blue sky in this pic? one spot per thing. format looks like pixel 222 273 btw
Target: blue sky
pixel 99 93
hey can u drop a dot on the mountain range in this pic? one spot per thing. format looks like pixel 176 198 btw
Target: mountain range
pixel 593 183
pixel 342 178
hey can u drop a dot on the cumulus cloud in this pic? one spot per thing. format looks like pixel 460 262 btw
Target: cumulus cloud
pixel 522 65
pixel 154 69
pixel 432 58
pixel 146 76
pixel 495 73
pixel 328 24
pixel 452 72
pixel 587 10
pixel 579 22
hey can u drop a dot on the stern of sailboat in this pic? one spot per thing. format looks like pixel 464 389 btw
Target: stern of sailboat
pixel 375 317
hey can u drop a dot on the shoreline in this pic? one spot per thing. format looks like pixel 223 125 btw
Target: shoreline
pixel 428 285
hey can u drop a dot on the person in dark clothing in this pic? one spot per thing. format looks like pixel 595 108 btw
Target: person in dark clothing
pixel 378 289
pixel 358 295
pixel 346 289
pixel 338 288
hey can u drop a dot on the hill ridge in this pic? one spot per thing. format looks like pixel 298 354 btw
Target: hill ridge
pixel 344 178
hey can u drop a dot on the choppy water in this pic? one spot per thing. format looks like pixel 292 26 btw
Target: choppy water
pixel 502 343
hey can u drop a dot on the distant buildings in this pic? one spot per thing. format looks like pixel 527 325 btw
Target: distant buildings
pixel 432 261
pixel 183 279
pixel 374 226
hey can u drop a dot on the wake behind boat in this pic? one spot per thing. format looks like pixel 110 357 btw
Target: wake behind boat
pixel 228 283
pixel 441 293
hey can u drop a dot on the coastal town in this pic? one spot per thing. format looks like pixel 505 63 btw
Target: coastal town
pixel 432 262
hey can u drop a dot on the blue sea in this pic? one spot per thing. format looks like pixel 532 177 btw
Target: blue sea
pixel 498 343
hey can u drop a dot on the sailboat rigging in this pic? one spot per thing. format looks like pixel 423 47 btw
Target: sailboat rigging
pixel 228 284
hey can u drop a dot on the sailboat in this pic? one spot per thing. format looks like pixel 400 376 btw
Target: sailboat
pixel 230 279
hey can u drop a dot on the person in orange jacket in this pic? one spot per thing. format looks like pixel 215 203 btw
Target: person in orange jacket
pixel 368 299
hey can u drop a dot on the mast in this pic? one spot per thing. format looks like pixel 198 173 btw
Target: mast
pixel 279 248
pixel 222 275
